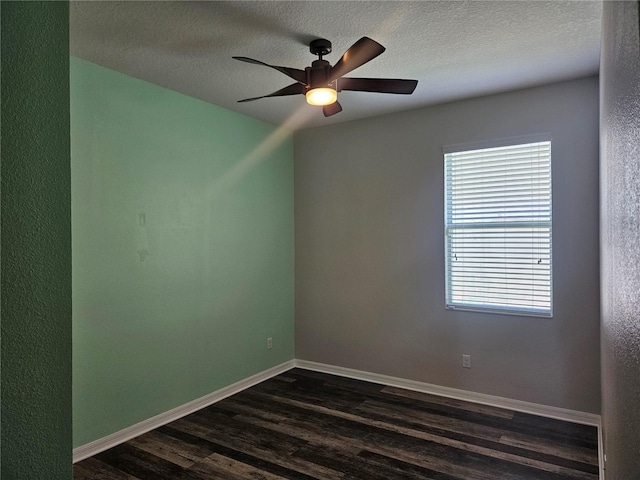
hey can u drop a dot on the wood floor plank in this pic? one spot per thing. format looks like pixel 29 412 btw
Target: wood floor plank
pixel 254 452
pixel 94 469
pixel 169 449
pixel 425 419
pixel 451 402
pixel 556 430
pixel 143 465
pixel 266 460
pixel 576 453
pixel 306 425
pixel 252 415
pixel 229 469
pixel 362 467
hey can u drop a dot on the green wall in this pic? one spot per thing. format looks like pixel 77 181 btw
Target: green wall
pixel 36 241
pixel 182 222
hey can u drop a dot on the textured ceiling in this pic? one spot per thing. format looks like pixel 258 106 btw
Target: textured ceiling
pixel 455 49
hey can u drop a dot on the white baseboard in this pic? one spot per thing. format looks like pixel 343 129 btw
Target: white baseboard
pixel 102 444
pixel 517 405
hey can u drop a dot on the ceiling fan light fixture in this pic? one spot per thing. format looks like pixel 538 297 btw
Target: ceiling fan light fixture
pixel 321 96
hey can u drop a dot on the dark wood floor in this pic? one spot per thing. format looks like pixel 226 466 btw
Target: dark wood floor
pixel 308 425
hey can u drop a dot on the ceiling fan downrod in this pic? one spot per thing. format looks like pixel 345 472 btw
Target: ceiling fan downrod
pixel 318 72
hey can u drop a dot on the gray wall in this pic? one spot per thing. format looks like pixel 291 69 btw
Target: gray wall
pixel 620 238
pixel 370 250
pixel 36 242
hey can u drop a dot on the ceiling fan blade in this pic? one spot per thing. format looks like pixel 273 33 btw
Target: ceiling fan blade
pixel 332 109
pixel 360 53
pixel 379 85
pixel 293 89
pixel 297 75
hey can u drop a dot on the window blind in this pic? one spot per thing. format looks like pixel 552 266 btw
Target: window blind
pixel 498 229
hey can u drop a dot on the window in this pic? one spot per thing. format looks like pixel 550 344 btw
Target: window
pixel 498 228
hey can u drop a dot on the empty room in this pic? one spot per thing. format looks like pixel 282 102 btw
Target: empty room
pixel 320 240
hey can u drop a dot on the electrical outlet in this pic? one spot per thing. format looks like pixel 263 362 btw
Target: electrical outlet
pixel 466 361
pixel 269 343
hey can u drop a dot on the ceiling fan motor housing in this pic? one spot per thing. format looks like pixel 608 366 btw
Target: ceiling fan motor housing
pixel 318 74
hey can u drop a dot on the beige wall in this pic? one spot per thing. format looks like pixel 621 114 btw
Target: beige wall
pixel 370 250
pixel 620 238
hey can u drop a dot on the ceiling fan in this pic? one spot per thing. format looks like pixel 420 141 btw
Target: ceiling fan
pixel 321 82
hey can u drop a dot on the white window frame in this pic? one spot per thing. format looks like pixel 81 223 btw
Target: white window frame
pixel 456 298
